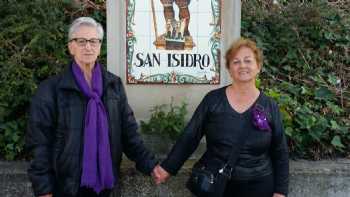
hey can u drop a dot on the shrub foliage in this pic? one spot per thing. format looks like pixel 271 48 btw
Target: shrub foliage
pixel 307 70
pixel 306 66
pixel 166 120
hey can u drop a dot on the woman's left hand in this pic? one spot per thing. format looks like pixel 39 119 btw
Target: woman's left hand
pixel 278 195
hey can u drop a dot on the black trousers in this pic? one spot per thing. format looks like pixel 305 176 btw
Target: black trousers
pixel 261 187
pixel 87 192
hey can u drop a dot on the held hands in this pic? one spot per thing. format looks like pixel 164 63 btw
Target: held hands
pixel 159 175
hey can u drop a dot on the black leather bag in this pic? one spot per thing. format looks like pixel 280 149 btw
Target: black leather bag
pixel 201 181
pixel 204 183
pixel 209 183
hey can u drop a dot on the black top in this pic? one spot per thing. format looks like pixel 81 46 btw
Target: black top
pixel 264 152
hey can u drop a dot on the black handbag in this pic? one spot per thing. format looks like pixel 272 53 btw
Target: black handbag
pixel 201 181
pixel 204 182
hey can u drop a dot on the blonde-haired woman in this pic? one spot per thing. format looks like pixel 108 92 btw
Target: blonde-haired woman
pixel 261 169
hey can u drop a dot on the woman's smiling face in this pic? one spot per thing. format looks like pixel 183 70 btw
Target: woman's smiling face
pixel 243 66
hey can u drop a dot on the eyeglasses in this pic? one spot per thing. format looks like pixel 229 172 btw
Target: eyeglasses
pixel 94 42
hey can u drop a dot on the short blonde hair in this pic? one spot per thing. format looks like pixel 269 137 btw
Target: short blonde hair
pixel 244 42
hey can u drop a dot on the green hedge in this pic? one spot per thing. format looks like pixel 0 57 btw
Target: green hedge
pixel 166 120
pixel 306 46
pixel 307 69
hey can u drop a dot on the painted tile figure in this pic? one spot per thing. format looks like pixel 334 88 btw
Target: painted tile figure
pixel 177 35
pixel 184 15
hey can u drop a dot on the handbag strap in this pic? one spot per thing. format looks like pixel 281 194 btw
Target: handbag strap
pixel 227 169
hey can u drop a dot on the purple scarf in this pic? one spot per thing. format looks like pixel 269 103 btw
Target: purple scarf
pixel 97 163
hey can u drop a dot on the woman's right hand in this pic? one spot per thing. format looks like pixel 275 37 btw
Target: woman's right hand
pixel 160 175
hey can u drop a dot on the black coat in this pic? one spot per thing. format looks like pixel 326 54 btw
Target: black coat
pixel 56 129
pixel 264 153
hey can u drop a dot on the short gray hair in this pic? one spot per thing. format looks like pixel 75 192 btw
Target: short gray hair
pixel 85 21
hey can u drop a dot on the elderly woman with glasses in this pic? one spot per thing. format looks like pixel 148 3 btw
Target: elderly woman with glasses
pixel 80 124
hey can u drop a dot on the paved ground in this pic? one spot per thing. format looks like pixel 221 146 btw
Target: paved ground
pixel 308 179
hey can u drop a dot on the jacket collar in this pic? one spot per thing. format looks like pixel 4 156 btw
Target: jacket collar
pixel 68 82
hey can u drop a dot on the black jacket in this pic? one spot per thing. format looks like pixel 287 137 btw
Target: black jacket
pixel 56 127
pixel 264 153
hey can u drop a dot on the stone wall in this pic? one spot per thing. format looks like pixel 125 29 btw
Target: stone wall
pixel 308 179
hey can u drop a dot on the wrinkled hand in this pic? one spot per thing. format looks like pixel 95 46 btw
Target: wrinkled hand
pixel 160 175
pixel 278 195
pixel 46 195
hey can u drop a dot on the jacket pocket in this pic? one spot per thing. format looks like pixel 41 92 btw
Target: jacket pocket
pixel 68 150
pixel 64 163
